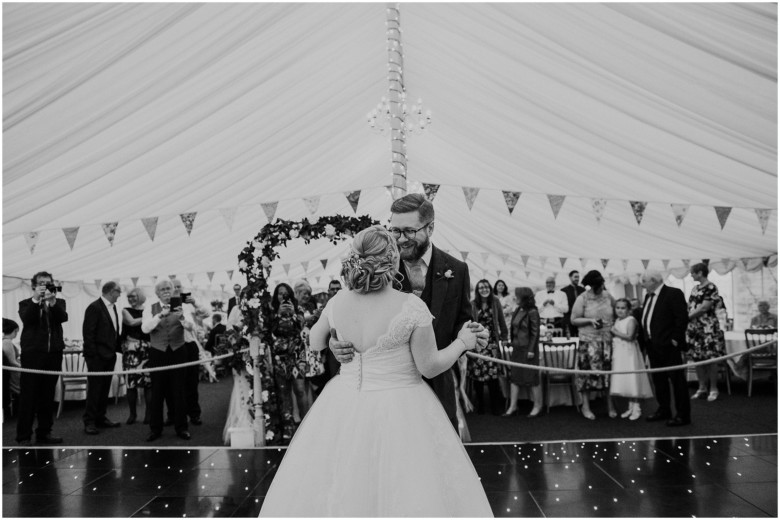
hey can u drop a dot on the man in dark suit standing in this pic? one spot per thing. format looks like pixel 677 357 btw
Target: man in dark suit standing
pixel 101 331
pixel 217 328
pixel 664 320
pixel 571 291
pixel 42 345
pixel 235 299
pixel 439 279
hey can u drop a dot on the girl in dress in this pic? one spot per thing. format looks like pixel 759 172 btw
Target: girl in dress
pixel 626 356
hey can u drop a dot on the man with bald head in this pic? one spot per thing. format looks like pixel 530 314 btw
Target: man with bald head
pixel 552 304
pixel 662 333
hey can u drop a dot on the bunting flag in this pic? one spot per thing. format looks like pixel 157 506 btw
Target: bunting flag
pixel 135 281
pixel 269 208
pixel 109 229
pixel 680 210
pixel 471 195
pixel 150 224
pixel 686 263
pixel 210 274
pixel 639 210
pixel 604 262
pixel 498 273
pixel 504 258
pixel 389 189
pixel 430 190
pixel 312 203
pixel 191 277
pixel 723 214
pixel 353 197
pixel 543 260
pixel 625 264
pixel 70 235
pixel 464 254
pixel 666 264
pixel 324 262
pixel 171 277
pixel 154 280
pixel 484 257
pixel 318 279
pixel 510 197
pixel 745 263
pixel 286 269
pixel 228 215
pixel 97 283
pixel 556 201
pixel 525 258
pixel 599 205
pixel 645 263
pixel 305 266
pixel 188 219
pixel 563 261
pixel 528 274
pixel 762 214
pixel 222 287
pixel 583 262
pixel 230 274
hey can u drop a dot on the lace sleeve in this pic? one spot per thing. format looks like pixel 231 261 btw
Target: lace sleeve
pixel 421 315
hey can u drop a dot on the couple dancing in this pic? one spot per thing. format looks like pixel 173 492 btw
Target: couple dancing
pixel 378 441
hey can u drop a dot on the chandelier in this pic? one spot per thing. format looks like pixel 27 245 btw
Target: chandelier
pixel 413 120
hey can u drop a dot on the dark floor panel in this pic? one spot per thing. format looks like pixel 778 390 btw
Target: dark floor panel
pixel 190 506
pixel 36 457
pixel 235 483
pixel 699 501
pixel 85 506
pixel 510 505
pixel 660 472
pixel 487 454
pixel 26 506
pixel 51 481
pixel 249 508
pixel 504 478
pixel 763 495
pixel 586 502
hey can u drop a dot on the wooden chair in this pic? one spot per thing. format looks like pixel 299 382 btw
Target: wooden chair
pixel 560 355
pixel 72 361
pixel 556 332
pixel 764 359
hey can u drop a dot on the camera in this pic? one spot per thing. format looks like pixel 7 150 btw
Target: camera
pixel 52 288
pixel 175 302
pixel 185 295
pixel 286 298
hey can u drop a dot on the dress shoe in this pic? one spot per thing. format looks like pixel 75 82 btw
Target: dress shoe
pixel 131 419
pixel 534 415
pixel 90 429
pixel 713 396
pixel 49 439
pixel 678 421
pixel 108 423
pixel 657 416
pixel 588 415
pixel 184 435
pixel 196 421
pixel 153 436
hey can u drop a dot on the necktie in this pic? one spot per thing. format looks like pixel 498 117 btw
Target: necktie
pixel 116 320
pixel 646 314
pixel 550 292
pixel 416 278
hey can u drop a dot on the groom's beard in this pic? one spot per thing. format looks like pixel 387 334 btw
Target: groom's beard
pixel 413 251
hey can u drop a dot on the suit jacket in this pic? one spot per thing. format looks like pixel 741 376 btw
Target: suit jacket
pixel 213 333
pixel 35 336
pixel 571 296
pixel 101 341
pixel 231 304
pixel 669 321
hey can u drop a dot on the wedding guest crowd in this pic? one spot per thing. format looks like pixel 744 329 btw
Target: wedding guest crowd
pixel 524 326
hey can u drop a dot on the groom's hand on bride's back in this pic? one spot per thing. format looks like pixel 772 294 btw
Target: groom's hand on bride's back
pixel 342 350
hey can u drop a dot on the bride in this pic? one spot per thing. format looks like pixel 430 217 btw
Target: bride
pixel 377 442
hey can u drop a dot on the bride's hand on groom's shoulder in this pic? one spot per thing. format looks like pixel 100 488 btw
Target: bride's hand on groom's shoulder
pixel 343 351
pixel 468 335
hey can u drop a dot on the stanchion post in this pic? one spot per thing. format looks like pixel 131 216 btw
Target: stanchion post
pixel 258 424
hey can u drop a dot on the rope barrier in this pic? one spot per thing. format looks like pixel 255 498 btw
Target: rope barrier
pixel 124 372
pixel 609 372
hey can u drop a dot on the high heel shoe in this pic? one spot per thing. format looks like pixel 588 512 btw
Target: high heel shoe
pixel 628 412
pixel 612 414
pixel 510 414
pixel 636 413
pixel 700 393
pixel 533 415
pixel 588 415
pixel 713 396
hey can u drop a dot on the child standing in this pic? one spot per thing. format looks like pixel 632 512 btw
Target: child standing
pixel 626 356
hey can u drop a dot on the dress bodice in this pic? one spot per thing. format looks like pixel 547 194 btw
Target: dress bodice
pixel 389 363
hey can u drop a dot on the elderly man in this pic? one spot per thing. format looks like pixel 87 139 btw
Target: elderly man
pixel 552 304
pixel 165 324
pixel 664 320
pixel 764 319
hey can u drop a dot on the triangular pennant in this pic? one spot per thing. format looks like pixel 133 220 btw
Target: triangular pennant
pixel 222 287
pixel 109 229
pixel 666 264
pixel 604 262
pixel 464 254
pixel 484 257
pixel 498 274
pixel 230 274
pixel 430 190
pixel 286 268
pixel 150 224
pixel 269 208
pixel 154 280
pixel 389 189
pixel 599 205
pixel 680 210
pixel 543 260
pixel 762 214
pixel 471 195
pixel 324 262
pixel 305 266
pixel 135 281
pixel 229 215
pixel 353 197
pixel 171 277
pixel 504 258
pixel 510 197
pixel 639 210
pixel 70 235
pixel 583 262
pixel 191 277
pixel 528 274
pixel 312 203
pixel 556 201
pixel 32 240
pixel 97 283
pixel 317 278
pixel 645 263
pixel 210 274
pixel 525 258
pixel 686 263
pixel 563 261
pixel 188 219
pixel 723 214
pixel 625 264
pixel 744 263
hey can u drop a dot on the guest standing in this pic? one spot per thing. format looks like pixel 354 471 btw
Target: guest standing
pixel 507 301
pixel 525 349
pixel 594 314
pixel 571 291
pixel 626 356
pixel 552 304
pixel 235 300
pixel 217 329
pixel 486 310
pixel 194 312
pixel 11 359
pixel 764 319
pixel 704 336
pixel 135 353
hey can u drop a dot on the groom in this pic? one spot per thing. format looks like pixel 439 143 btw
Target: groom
pixel 440 280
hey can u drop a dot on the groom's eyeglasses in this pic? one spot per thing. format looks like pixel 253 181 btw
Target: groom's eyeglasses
pixel 408 233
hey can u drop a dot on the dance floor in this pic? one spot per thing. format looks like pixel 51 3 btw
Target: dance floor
pixel 682 477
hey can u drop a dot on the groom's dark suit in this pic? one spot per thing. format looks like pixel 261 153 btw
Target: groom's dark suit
pixel 447 297
pixel 668 322
pixel 101 343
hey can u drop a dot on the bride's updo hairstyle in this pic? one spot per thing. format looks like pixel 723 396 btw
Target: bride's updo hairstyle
pixel 372 261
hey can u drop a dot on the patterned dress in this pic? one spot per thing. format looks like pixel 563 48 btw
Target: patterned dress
pixel 288 355
pixel 704 335
pixel 479 369
pixel 595 348
pixel 135 352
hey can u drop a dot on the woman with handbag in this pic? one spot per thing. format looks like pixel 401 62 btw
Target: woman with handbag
pixel 486 309
pixel 525 349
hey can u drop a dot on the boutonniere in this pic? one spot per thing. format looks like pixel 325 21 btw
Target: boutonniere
pixel 447 275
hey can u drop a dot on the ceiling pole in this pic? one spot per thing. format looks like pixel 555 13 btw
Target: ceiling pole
pixel 396 95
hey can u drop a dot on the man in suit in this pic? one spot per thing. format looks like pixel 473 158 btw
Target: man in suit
pixel 217 328
pixel 552 304
pixel 101 331
pixel 571 291
pixel 439 279
pixel 42 345
pixel 235 299
pixel 664 320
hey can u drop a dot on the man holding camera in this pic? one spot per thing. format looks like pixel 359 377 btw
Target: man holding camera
pixel 192 373
pixel 42 345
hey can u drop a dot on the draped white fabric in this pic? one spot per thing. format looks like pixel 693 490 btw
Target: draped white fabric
pixel 118 112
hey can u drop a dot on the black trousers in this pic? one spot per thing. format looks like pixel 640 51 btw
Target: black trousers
pixel 192 380
pixel 661 380
pixel 167 383
pixel 494 393
pixel 36 394
pixel 97 390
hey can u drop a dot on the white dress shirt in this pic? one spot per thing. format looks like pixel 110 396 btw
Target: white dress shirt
pixel 110 307
pixel 557 309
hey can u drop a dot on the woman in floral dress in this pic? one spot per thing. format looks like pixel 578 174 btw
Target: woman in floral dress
pixel 486 310
pixel 135 352
pixel 594 314
pixel 704 335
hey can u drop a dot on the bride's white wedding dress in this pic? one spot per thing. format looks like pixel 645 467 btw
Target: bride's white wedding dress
pixel 377 442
